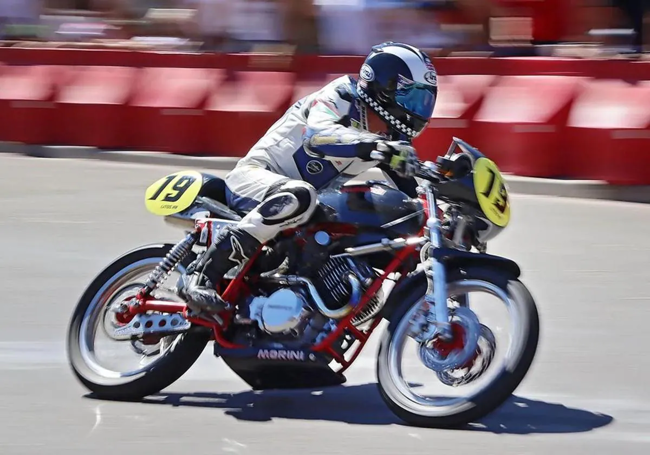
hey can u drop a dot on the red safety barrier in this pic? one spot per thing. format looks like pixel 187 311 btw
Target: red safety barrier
pixel 166 113
pixel 239 113
pixel 27 109
pixel 304 65
pixel 521 123
pixel 554 123
pixel 459 98
pixel 91 106
pixel 609 133
pixel 304 88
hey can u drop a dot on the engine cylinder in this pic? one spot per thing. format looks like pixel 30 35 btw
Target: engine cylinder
pixel 334 287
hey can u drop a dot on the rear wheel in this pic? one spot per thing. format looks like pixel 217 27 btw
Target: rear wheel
pixel 452 405
pixel 161 361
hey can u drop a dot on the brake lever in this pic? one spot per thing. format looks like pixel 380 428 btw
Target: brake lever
pixel 429 171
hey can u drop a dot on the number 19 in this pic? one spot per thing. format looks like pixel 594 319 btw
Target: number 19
pixel 179 188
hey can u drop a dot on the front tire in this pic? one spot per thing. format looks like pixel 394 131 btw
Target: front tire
pixel 179 357
pixel 522 352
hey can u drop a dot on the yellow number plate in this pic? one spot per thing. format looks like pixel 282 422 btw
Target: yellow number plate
pixel 173 193
pixel 491 192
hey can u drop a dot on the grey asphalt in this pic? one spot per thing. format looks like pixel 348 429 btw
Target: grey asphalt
pixel 61 221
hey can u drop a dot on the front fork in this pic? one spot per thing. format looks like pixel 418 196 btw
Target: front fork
pixel 437 312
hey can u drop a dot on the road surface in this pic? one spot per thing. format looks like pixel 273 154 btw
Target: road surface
pixel 586 262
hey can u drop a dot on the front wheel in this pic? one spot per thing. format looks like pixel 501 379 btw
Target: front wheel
pixel 458 398
pixel 154 363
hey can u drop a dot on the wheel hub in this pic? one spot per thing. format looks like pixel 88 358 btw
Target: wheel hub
pixel 476 366
pixel 457 341
pixel 440 355
pixel 119 307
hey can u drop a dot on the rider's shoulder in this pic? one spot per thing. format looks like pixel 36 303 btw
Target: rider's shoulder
pixel 341 91
pixel 345 87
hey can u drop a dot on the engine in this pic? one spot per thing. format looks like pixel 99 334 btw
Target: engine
pixel 303 306
pixel 334 286
pixel 284 312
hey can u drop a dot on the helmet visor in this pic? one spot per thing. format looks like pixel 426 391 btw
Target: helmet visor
pixel 418 99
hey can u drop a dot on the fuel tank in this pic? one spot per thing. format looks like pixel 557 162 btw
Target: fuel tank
pixel 372 207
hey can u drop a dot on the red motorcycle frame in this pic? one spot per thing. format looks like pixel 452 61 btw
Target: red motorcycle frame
pixel 238 289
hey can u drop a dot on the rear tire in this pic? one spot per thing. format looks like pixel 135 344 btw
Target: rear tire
pixel 164 372
pixel 495 393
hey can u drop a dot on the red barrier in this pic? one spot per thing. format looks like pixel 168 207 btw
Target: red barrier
pixel 305 65
pixel 458 101
pixel 240 112
pixel 26 103
pixel 182 103
pixel 167 111
pixel 609 133
pixel 521 123
pixel 91 106
pixel 304 88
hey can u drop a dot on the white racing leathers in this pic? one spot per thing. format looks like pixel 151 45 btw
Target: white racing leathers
pixel 318 139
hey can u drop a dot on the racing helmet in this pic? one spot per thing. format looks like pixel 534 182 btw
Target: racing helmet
pixel 399 83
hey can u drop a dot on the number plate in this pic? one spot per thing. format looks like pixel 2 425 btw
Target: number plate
pixel 173 193
pixel 491 192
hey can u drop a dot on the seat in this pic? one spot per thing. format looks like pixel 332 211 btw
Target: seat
pixel 214 187
pixel 213 192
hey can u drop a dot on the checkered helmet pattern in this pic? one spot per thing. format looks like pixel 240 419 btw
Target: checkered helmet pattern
pixel 388 67
pixel 386 115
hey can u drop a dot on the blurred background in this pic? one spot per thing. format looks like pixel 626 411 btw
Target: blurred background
pixel 545 88
pixel 343 27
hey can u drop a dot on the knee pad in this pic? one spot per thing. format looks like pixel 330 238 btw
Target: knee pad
pixel 292 200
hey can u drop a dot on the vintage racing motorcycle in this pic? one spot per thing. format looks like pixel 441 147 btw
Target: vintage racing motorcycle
pixel 306 304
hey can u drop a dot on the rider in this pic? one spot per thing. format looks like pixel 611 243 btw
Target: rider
pixel 326 134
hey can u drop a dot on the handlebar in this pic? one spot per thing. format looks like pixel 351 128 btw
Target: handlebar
pixel 427 170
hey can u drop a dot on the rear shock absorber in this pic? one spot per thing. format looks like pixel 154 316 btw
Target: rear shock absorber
pixel 168 264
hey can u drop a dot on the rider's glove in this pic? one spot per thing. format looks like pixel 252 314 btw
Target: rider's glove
pixel 400 155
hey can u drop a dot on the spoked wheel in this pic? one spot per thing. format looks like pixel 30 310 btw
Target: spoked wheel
pixel 154 361
pixel 462 376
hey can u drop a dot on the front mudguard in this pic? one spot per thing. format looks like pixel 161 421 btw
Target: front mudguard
pixel 457 259
pixel 458 265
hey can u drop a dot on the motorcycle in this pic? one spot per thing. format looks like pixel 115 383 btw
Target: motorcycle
pixel 304 306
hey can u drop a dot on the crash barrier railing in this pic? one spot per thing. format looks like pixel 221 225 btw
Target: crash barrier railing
pixel 563 118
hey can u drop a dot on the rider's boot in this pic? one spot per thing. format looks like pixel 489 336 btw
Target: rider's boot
pixel 233 247
pixel 287 205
